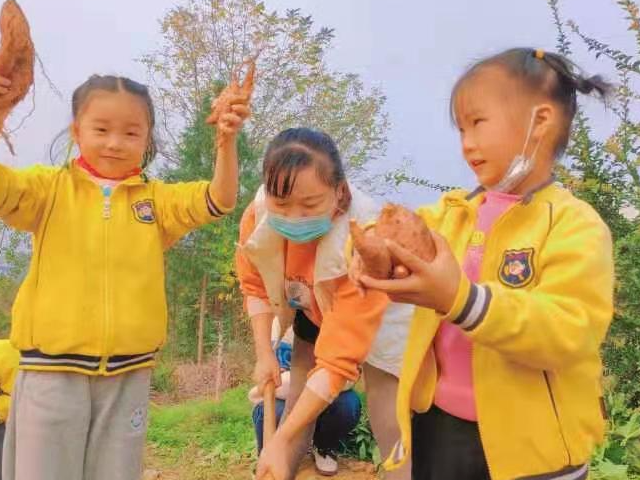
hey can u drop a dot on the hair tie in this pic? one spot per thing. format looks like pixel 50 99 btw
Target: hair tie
pixel 539 54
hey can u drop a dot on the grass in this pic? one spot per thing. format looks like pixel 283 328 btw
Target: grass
pixel 220 431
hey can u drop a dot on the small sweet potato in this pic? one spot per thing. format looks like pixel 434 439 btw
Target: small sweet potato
pixel 400 225
pixel 17 58
pixel 222 104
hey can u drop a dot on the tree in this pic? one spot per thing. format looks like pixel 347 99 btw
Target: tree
pixel 201 278
pixel 606 172
pixel 206 40
pixel 14 261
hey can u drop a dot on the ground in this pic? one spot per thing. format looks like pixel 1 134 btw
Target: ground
pixel 193 436
pixel 156 470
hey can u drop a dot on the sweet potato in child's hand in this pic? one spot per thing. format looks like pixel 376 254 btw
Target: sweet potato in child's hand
pixel 407 229
pixel 17 58
pixel 374 254
pixel 400 225
pixel 223 103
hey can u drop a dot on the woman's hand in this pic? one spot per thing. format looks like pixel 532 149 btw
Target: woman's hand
pixel 274 463
pixel 267 369
pixel 429 284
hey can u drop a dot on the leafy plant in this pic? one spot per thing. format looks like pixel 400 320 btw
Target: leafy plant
pixel 360 443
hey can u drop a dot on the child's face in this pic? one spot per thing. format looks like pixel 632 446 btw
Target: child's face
pixel 112 131
pixel 310 197
pixel 493 117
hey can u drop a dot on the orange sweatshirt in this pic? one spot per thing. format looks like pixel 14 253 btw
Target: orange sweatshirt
pixel 347 330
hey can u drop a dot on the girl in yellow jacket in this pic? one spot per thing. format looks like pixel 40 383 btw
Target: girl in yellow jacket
pixel 501 374
pixel 9 358
pixel 91 312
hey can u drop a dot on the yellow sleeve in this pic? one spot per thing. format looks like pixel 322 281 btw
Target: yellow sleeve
pixel 183 207
pixel 9 359
pixel 5 403
pixel 23 195
pixel 565 317
pixel 433 213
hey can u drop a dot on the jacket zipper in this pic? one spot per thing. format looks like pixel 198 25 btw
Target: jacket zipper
pixel 107 191
pixel 555 412
pixel 473 350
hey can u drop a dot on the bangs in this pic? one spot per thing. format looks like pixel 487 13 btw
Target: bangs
pixel 281 170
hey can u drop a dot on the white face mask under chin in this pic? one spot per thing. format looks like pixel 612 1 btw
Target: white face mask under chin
pixel 520 166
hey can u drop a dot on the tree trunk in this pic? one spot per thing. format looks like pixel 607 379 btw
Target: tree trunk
pixel 220 351
pixel 203 312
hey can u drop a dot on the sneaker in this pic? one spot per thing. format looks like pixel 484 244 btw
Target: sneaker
pixel 326 463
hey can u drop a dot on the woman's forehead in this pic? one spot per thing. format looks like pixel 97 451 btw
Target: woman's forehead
pixel 307 183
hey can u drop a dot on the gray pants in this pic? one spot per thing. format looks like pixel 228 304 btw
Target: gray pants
pixel 75 427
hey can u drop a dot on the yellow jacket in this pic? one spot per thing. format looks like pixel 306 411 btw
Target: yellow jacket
pixel 94 298
pixel 536 319
pixel 9 358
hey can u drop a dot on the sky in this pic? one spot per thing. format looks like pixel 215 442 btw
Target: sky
pixel 413 50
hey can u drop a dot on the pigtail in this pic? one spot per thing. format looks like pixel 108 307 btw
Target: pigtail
pixel 574 78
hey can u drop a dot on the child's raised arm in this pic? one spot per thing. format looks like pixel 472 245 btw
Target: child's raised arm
pixel 23 193
pixel 228 112
pixel 181 205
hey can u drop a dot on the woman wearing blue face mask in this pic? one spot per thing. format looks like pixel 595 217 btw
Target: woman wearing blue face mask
pixel 291 264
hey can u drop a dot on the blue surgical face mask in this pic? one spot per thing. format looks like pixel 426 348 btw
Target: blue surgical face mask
pixel 300 229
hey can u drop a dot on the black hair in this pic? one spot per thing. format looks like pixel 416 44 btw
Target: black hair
pixel 112 83
pixel 547 73
pixel 297 148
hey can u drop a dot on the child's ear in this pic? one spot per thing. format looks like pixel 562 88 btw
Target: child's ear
pixel 546 115
pixel 73 132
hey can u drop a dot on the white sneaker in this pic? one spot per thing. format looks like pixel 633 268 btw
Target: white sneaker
pixel 326 463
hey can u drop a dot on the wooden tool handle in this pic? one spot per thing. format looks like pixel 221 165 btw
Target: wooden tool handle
pixel 269 424
pixel 269 396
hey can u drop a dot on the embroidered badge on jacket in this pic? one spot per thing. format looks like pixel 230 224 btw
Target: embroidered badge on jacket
pixel 144 211
pixel 516 269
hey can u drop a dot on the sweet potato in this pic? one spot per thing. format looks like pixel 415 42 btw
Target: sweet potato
pixel 222 103
pixel 17 57
pixel 400 225
pixel 407 229
pixel 373 251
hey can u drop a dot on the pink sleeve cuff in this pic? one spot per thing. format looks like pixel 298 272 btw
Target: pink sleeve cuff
pixel 256 306
pixel 320 383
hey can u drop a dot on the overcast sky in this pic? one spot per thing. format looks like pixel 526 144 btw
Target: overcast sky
pixel 413 50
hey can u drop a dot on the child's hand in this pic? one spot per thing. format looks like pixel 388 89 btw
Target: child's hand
pixel 236 111
pixel 232 107
pixel 356 272
pixel 430 284
pixel 5 84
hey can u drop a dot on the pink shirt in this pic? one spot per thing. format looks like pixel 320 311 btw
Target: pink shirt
pixel 454 391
